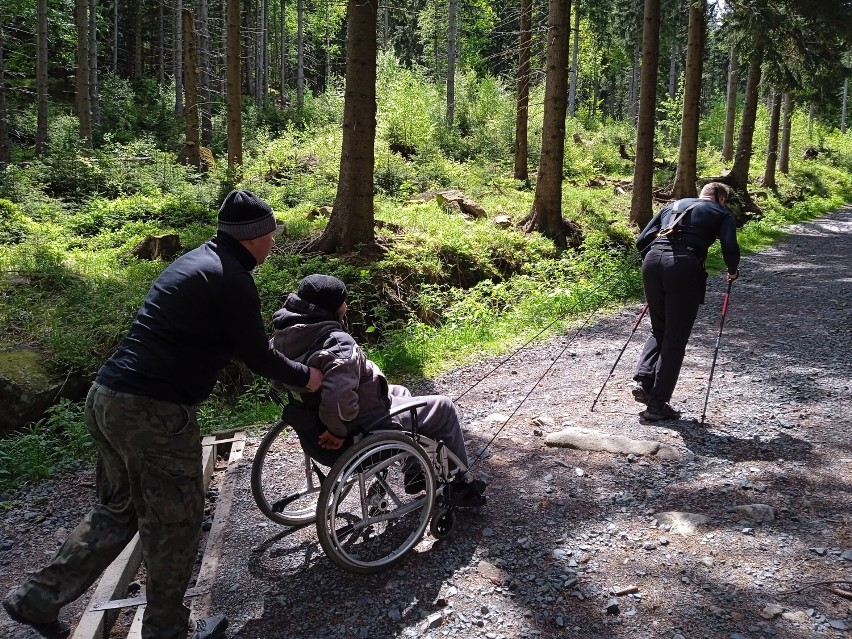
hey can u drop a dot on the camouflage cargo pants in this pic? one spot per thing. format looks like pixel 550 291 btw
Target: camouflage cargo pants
pixel 148 478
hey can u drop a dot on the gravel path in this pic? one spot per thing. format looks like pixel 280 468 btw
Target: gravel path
pixel 566 529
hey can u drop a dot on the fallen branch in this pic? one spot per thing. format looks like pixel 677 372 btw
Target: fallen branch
pixel 817 583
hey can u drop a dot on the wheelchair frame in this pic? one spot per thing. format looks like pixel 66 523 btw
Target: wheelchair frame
pixel 368 508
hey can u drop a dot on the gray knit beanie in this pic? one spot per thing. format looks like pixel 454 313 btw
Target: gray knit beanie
pixel 244 216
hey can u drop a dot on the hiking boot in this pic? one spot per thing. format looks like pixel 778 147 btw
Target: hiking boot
pixel 211 627
pixel 53 630
pixel 467 494
pixel 658 411
pixel 641 394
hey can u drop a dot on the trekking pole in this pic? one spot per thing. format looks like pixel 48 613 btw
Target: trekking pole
pixel 618 359
pixel 716 352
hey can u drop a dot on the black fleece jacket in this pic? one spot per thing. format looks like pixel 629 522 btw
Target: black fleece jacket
pixel 201 312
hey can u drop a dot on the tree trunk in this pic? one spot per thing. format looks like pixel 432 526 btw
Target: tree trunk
pixel 191 153
pixel 115 37
pixel 5 153
pixel 730 107
pixel 686 177
pixel 264 54
pixel 643 170
pixel 772 145
pixel 352 218
pixel 546 213
pixel 451 64
pixel 94 98
pixel 300 53
pixel 204 73
pixel 137 40
pixel 572 89
pixel 161 41
pixel 234 117
pixel 178 53
pixel 843 105
pixel 41 80
pixel 82 81
pixel 522 113
pixel 738 177
pixel 282 89
pixel 811 116
pixel 328 47
pixel 673 74
pixel 786 127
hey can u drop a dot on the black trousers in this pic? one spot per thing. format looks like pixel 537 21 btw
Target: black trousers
pixel 674 281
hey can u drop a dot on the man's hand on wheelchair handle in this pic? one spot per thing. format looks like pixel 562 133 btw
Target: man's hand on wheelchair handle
pixel 315 380
pixel 327 440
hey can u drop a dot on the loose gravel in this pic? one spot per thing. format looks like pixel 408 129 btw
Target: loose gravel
pixel 723 542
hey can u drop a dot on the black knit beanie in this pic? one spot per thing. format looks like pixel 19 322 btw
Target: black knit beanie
pixel 324 291
pixel 244 216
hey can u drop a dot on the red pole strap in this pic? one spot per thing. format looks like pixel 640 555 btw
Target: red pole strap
pixel 725 304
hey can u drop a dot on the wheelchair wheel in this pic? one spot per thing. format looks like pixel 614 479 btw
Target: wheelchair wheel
pixel 283 482
pixel 442 523
pixel 366 519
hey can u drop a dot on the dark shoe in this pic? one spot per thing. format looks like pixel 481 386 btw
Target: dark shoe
pixel 54 630
pixel 467 494
pixel 641 394
pixel 414 483
pixel 211 627
pixel 658 411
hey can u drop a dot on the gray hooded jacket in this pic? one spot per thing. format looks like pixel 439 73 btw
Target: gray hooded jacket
pixel 353 389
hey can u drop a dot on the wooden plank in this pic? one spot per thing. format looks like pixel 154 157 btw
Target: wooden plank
pixel 208 458
pixel 135 630
pixel 216 537
pixel 113 583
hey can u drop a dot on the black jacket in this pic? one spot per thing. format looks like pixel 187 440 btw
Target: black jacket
pixel 698 229
pixel 201 312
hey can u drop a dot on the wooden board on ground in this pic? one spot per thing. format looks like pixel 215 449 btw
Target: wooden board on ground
pixel 96 623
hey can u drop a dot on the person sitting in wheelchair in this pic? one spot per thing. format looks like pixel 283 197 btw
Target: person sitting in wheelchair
pixel 309 329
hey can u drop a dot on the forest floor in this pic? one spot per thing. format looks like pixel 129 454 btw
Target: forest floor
pixel 565 529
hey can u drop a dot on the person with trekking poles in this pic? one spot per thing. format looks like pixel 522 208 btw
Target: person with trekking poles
pixel 200 313
pixel 674 246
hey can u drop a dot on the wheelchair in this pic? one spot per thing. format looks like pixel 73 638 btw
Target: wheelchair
pixel 371 501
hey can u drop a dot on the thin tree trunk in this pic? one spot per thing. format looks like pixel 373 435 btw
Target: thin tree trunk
pixel 137 40
pixel 522 112
pixel 233 86
pixel 686 175
pixel 204 73
pixel 546 214
pixel 191 153
pixel 94 98
pixel 115 36
pixel 300 53
pixel 572 89
pixel 786 128
pixel 772 145
pixel 451 63
pixel 352 219
pixel 738 177
pixel 731 107
pixel 41 80
pixel 643 170
pixel 161 41
pixel 264 51
pixel 843 105
pixel 83 105
pixel 5 152
pixel 327 47
pixel 282 90
pixel 673 75
pixel 178 53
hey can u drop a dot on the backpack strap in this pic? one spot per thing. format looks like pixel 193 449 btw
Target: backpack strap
pixel 671 226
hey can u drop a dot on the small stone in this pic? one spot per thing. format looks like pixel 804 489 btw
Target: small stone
pixel 820 551
pixel 612 607
pixel 395 615
pixel 838 624
pixel 771 611
pixel 649 545
pixel 748 531
pixel 847 555
pixel 579 472
pixel 487 532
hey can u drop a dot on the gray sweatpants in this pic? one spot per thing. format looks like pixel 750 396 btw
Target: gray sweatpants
pixel 437 420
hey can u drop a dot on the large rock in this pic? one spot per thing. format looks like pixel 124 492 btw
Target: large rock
pixel 588 439
pixel 27 389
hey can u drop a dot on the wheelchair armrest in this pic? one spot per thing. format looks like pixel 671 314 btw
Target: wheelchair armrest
pixel 408 407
